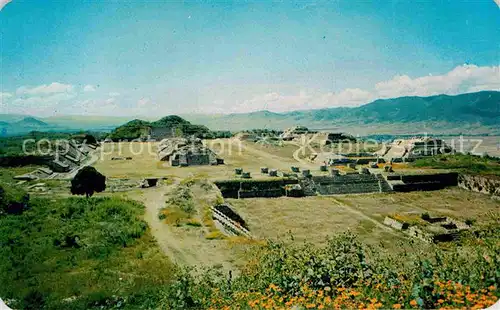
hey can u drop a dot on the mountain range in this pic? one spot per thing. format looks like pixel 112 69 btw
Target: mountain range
pixel 471 113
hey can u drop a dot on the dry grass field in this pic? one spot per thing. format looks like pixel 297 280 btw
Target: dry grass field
pixel 314 218
pixel 309 219
pixel 453 202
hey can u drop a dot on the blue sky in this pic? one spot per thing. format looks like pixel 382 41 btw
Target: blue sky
pixel 161 57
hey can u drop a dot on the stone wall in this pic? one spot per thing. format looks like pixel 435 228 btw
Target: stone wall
pixel 253 188
pixel 25 160
pixel 480 183
pixel 347 184
pixel 422 182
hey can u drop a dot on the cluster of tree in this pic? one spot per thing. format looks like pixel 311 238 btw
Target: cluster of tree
pixel 13 146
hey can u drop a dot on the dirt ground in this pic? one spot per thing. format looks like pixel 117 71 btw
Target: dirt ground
pixel 144 162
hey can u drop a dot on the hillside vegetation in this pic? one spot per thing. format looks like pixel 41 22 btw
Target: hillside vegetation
pixel 141 129
pixel 77 253
pixel 469 164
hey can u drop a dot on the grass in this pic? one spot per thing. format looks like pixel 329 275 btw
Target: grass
pixel 79 254
pixel 452 202
pixel 464 163
pixel 307 219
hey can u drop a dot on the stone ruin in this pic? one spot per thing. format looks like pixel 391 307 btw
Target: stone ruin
pixel 402 150
pixel 427 228
pixel 229 222
pixel 65 156
pixel 294 132
pixel 149 182
pixel 187 152
pixel 355 183
pixel 40 173
pixel 338 137
pixel 421 182
pixel 259 188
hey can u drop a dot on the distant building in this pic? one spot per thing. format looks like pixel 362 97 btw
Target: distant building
pixel 336 137
pixel 184 152
pixel 293 132
pixel 410 149
pixel 160 133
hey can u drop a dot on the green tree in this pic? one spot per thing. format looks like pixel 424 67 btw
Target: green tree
pixel 90 139
pixel 87 182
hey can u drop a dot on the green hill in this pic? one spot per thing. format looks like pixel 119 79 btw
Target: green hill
pixel 141 129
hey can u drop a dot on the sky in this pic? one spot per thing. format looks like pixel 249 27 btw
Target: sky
pixel 153 58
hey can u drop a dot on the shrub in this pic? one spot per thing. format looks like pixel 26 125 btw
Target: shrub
pixel 88 181
pixel 347 274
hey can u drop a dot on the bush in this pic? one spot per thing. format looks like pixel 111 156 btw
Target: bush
pixel 12 200
pixel 347 274
pixel 88 181
pixel 71 254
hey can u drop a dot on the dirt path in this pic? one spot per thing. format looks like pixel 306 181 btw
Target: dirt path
pixel 154 200
pixel 270 159
pixel 184 245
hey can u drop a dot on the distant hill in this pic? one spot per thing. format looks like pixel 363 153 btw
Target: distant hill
pixel 472 113
pixel 30 122
pixel 23 125
pixel 170 125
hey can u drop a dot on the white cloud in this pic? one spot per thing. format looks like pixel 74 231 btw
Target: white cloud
pixel 462 79
pixel 5 96
pixel 52 88
pixel 497 2
pixel 40 105
pixel 110 100
pixel 114 94
pixel 89 88
pixel 97 107
pixel 4 3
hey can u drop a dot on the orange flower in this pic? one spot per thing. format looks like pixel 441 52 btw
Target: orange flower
pixel 413 302
pixel 440 301
pixel 396 306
